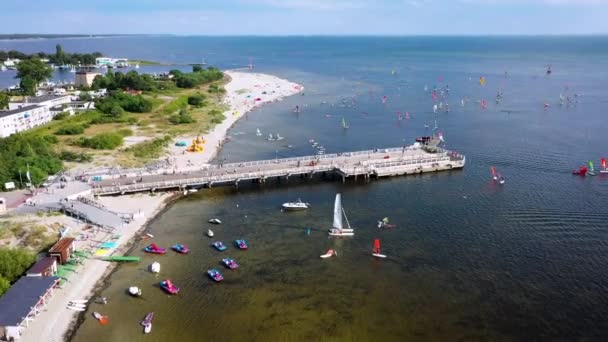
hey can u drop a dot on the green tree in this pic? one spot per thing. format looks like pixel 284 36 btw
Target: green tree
pixel 197 68
pixel 60 56
pixel 31 72
pixel 4 285
pixel 4 100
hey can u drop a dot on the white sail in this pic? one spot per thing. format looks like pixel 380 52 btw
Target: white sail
pixel 338 212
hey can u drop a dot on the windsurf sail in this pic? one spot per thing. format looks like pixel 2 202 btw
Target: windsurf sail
pixel 376 248
pixel 385 220
pixel 482 81
pixel 494 174
pixel 338 212
pixel 591 166
pixel 604 163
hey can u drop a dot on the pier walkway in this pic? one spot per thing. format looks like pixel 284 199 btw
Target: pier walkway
pixel 365 164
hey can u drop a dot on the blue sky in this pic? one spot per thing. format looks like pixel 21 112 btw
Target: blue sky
pixel 306 17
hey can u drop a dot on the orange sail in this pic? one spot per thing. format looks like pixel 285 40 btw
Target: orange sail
pixel 376 248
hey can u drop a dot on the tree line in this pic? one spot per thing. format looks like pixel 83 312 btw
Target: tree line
pixel 60 57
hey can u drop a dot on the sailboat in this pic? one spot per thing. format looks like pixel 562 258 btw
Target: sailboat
pixel 591 171
pixel 279 137
pixel 258 133
pixel 376 249
pixel 344 124
pixel 338 227
pixel 497 176
pixel 270 137
pixel 494 174
pixel 604 165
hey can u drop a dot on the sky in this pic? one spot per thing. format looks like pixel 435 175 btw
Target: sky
pixel 305 17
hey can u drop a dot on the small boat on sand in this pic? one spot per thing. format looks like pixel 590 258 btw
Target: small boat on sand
pixel 215 221
pixel 135 291
pixel 169 287
pixel 241 244
pixel 154 249
pixel 376 249
pixel 295 206
pixel 329 253
pixel 147 322
pixel 230 263
pixel 181 249
pixel 210 233
pixel 215 275
pixel 76 308
pixel 219 246
pixel 155 267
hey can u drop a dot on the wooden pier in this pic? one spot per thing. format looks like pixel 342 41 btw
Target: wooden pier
pixel 361 164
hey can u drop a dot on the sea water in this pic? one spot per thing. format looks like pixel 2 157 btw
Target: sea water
pixel 469 259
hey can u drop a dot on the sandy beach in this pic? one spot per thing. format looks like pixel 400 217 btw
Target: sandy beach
pixel 244 92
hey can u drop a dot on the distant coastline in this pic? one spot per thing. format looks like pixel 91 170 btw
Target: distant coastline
pixel 22 36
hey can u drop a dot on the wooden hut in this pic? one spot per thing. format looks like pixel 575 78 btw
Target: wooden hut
pixel 62 250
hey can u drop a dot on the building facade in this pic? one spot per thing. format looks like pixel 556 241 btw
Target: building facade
pixel 85 78
pixel 24 118
pixel 44 101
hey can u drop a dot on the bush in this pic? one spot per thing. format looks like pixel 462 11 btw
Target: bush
pixel 20 150
pixel 197 100
pixel 75 157
pixel 61 116
pixel 183 117
pixel 72 129
pixel 13 263
pixel 102 141
pixel 150 149
pixel 115 104
pixel 125 132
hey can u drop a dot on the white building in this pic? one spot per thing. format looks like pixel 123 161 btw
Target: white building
pixel 21 119
pixel 44 100
pixel 111 62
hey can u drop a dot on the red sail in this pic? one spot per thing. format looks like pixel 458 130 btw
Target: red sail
pixel 493 171
pixel 376 246
pixel 604 163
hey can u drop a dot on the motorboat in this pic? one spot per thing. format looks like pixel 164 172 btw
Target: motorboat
pixel 329 253
pixel 147 322
pixel 241 244
pixel 338 228
pixel 219 246
pixel 215 221
pixel 295 206
pixel 155 267
pixel 181 249
pixel 169 287
pixel 230 263
pixel 135 291
pixel 154 249
pixel 210 233
pixel 215 275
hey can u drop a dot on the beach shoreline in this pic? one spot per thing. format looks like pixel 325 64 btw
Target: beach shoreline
pixel 245 91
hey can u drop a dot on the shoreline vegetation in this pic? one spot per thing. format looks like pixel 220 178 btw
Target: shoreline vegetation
pixel 131 127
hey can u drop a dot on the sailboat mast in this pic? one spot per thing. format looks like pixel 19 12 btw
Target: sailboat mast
pixel 346 218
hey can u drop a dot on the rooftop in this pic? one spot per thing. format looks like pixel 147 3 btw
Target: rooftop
pixel 42 265
pixel 61 245
pixel 44 98
pixel 17 111
pixel 19 300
